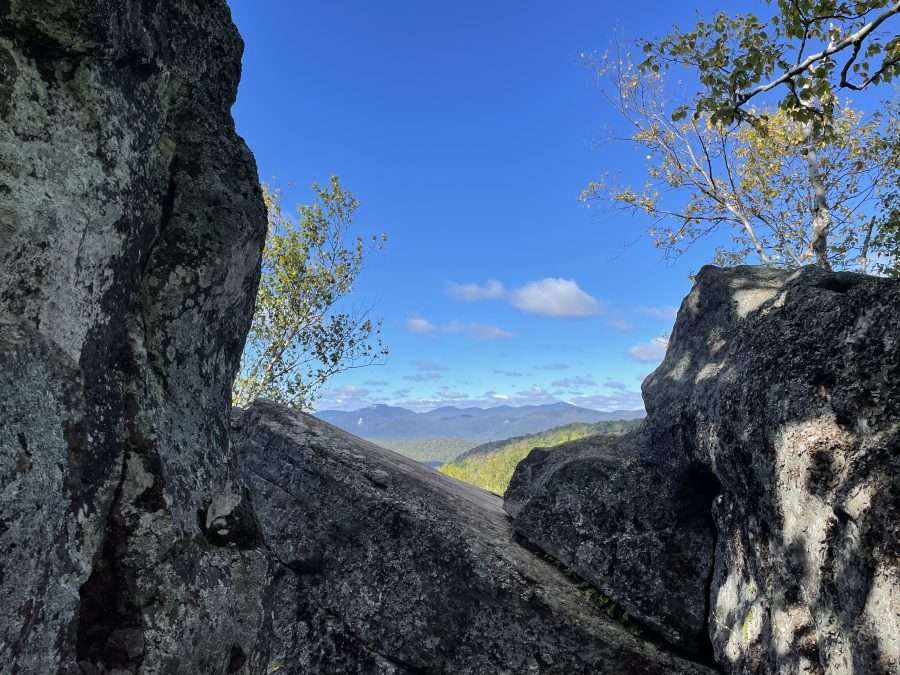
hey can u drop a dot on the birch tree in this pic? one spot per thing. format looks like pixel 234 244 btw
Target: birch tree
pixel 808 50
pixel 751 180
pixel 299 338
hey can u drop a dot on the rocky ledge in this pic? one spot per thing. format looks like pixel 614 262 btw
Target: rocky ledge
pixel 759 505
pixel 386 566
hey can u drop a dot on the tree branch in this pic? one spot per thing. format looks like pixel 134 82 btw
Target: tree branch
pixel 850 40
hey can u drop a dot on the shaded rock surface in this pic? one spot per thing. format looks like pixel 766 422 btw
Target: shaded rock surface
pixel 131 223
pixel 785 388
pixel 638 529
pixel 386 566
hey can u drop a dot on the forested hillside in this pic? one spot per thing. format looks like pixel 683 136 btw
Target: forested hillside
pixel 490 466
pixel 434 451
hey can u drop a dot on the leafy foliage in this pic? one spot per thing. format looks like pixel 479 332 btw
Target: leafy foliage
pixel 298 339
pixel 795 183
pixel 754 179
pixel 811 48
pixel 887 241
pixel 491 466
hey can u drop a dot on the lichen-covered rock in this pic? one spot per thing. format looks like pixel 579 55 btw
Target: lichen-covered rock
pixel 786 388
pixel 388 567
pixel 131 224
pixel 635 526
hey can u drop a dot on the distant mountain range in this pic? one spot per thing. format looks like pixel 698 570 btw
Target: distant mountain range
pixel 474 424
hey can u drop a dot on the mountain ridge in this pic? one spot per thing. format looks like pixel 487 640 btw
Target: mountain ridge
pixel 382 421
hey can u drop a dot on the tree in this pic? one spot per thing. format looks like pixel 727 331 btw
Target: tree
pixel 811 48
pixel 887 242
pixel 704 175
pixel 298 339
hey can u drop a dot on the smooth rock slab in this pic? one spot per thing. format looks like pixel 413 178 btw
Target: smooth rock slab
pixel 387 566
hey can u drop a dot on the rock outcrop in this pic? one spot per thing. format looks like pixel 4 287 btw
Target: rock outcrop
pixel 639 529
pixel 755 516
pixel 131 224
pixel 778 406
pixel 385 566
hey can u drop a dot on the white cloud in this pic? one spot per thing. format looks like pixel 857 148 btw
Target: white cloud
pixel 422 377
pixel 348 397
pixel 509 373
pixel 534 395
pixel 615 384
pixel 552 296
pixel 417 324
pixel 491 290
pixel 667 313
pixel 559 298
pixel 475 331
pixel 625 400
pixel 447 394
pixel 553 366
pixel 576 382
pixel 649 352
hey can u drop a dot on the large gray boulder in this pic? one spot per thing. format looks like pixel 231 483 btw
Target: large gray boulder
pixel 636 527
pixel 785 388
pixel 386 566
pixel 131 224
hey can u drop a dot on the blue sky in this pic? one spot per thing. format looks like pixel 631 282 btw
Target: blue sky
pixel 467 131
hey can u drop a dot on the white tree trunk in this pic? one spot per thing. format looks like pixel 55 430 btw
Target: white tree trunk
pixel 821 215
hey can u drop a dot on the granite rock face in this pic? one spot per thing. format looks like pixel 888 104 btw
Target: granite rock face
pixel 779 403
pixel 131 224
pixel 636 527
pixel 386 566
pixel 755 517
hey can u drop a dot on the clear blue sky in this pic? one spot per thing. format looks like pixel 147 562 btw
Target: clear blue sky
pixel 467 131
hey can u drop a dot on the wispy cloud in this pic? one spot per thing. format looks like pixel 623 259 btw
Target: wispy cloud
pixel 553 366
pixel 534 395
pixel 417 324
pixel 348 397
pixel 509 373
pixel 615 384
pixel 447 394
pixel 559 298
pixel 376 383
pixel 422 377
pixel 626 400
pixel 649 352
pixel 491 290
pixel 474 331
pixel 666 313
pixel 577 382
